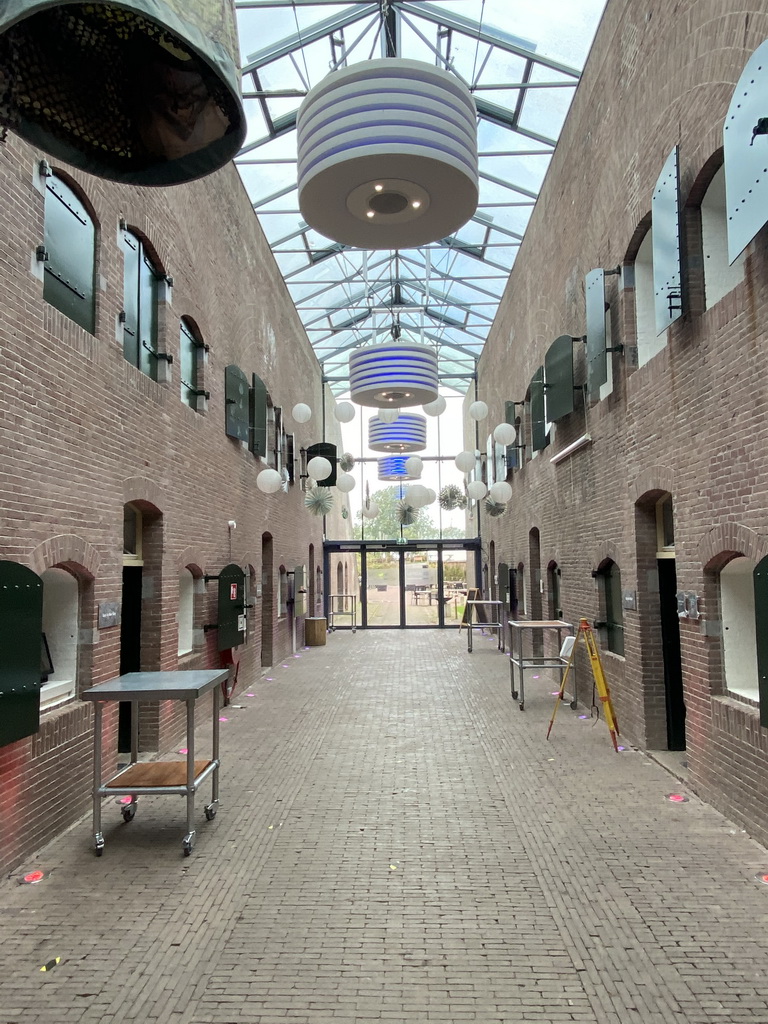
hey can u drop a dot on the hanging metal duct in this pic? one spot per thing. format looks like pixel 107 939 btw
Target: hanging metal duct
pixel 393 468
pixel 141 91
pixel 407 434
pixel 395 375
pixel 387 154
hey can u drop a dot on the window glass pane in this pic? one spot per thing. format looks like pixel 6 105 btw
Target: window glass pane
pixel 147 318
pixel 188 366
pixel 131 257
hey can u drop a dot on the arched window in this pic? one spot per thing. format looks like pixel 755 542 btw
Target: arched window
pixel 648 344
pixel 70 254
pixel 191 350
pixel 186 612
pixel 61 626
pixel 555 610
pixel 141 296
pixel 611 608
pixel 737 608
pixel 719 277
pixel 339 578
pixel 282 593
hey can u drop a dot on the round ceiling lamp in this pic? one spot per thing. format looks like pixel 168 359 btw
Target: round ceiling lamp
pixel 477 489
pixel 393 467
pixel 417 495
pixel 478 410
pixel 344 412
pixel 345 482
pixel 370 511
pixel 465 461
pixel 387 154
pixel 269 481
pixel 301 413
pixel 319 468
pixel 436 408
pixel 414 466
pixel 407 434
pixel 393 375
pixel 500 492
pixel 504 433
pixel 137 92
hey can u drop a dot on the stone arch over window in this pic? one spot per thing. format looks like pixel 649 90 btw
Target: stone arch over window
pixel 611 612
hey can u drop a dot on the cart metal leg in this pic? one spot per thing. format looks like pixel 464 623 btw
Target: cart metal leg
pixel 189 839
pixel 212 807
pixel 98 837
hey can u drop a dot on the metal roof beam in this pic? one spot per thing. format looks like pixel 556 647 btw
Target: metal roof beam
pixel 312 35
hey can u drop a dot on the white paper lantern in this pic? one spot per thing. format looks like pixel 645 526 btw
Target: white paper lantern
pixel 388 415
pixel 417 495
pixel 504 433
pixel 372 511
pixel 301 413
pixel 344 412
pixel 435 408
pixel 269 481
pixel 478 410
pixel 414 466
pixel 432 496
pixel 319 468
pixel 501 492
pixel 477 490
pixel 345 482
pixel 465 461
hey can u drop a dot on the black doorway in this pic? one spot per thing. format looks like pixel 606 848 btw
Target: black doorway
pixel 130 645
pixel 670 642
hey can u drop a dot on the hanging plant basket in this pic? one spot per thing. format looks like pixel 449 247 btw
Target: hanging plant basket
pixel 405 513
pixel 347 462
pixel 319 501
pixel 452 497
pixel 495 508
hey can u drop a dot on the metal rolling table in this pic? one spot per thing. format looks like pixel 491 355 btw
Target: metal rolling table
pixel 339 610
pixel 517 660
pixel 157 778
pixel 472 620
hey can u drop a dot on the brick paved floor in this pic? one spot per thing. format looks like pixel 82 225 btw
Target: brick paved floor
pixel 397 842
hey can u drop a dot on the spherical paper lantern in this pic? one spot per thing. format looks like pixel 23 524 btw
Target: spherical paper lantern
pixel 477 490
pixel 387 154
pixel 431 496
pixel 344 412
pixel 435 408
pixel 345 482
pixel 417 495
pixel 478 410
pixel 388 415
pixel 414 466
pixel 269 481
pixel 371 511
pixel 396 375
pixel 301 413
pixel 138 92
pixel 501 492
pixel 319 468
pixel 504 433
pixel 465 461
pixel 407 434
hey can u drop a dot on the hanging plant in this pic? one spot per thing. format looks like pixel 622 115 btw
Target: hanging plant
pixel 347 462
pixel 405 513
pixel 494 508
pixel 319 501
pixel 452 497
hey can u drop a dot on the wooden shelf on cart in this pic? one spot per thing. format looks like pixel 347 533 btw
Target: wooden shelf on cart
pixel 155 773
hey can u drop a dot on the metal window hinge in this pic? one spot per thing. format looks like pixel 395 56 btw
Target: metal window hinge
pixel 122 316
pixel 210 625
pixel 160 356
pixel 45 169
pixel 42 254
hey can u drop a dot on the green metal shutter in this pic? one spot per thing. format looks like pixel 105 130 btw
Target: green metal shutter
pixel 258 413
pixel 760 578
pixel 236 403
pixel 21 636
pixel 188 346
pixel 512 450
pixel 231 607
pixel 131 261
pixel 558 372
pixel 148 285
pixel 70 241
pixel 539 438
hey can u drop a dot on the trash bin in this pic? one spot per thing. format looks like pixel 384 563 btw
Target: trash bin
pixel 315 632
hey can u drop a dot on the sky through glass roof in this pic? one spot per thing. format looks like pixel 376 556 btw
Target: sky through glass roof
pixel 522 78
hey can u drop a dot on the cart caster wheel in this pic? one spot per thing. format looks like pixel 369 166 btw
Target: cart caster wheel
pixel 99 850
pixel 187 850
pixel 98 844
pixel 514 695
pixel 573 705
pixel 210 813
pixel 522 706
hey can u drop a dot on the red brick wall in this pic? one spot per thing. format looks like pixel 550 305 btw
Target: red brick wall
pixel 691 421
pixel 82 432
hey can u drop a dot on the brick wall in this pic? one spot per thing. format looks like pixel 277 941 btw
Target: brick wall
pixel 691 421
pixel 82 432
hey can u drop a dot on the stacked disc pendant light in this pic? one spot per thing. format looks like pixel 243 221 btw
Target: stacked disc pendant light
pixel 141 92
pixel 407 434
pixel 393 468
pixel 396 374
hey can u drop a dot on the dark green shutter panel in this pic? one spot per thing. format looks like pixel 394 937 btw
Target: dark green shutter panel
pixel 21 638
pixel 760 577
pixel 70 241
pixel 327 451
pixel 539 439
pixel 503 574
pixel 558 373
pixel 237 402
pixel 131 262
pixel 513 451
pixel 597 361
pixel 231 631
pixel 148 285
pixel 258 424
pixel 290 457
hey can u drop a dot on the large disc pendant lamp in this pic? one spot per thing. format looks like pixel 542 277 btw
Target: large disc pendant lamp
pixel 387 154
pixel 393 468
pixel 407 434
pixel 138 92
pixel 398 374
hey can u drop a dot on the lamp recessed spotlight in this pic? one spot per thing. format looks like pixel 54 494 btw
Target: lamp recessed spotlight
pixel 378 188
pixel 416 204
pixel 369 213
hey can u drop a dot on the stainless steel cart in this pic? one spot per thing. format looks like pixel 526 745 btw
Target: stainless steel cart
pixel 157 778
pixel 342 606
pixel 519 664
pixel 485 615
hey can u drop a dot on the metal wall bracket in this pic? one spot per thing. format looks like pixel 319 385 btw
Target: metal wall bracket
pixel 207 579
pixel 41 254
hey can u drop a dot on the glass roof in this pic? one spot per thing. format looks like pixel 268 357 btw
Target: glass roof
pixel 446 293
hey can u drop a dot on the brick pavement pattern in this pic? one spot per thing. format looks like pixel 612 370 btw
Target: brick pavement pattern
pixel 397 842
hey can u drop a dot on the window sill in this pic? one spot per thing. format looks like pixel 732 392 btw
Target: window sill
pixel 54 694
pixel 744 699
